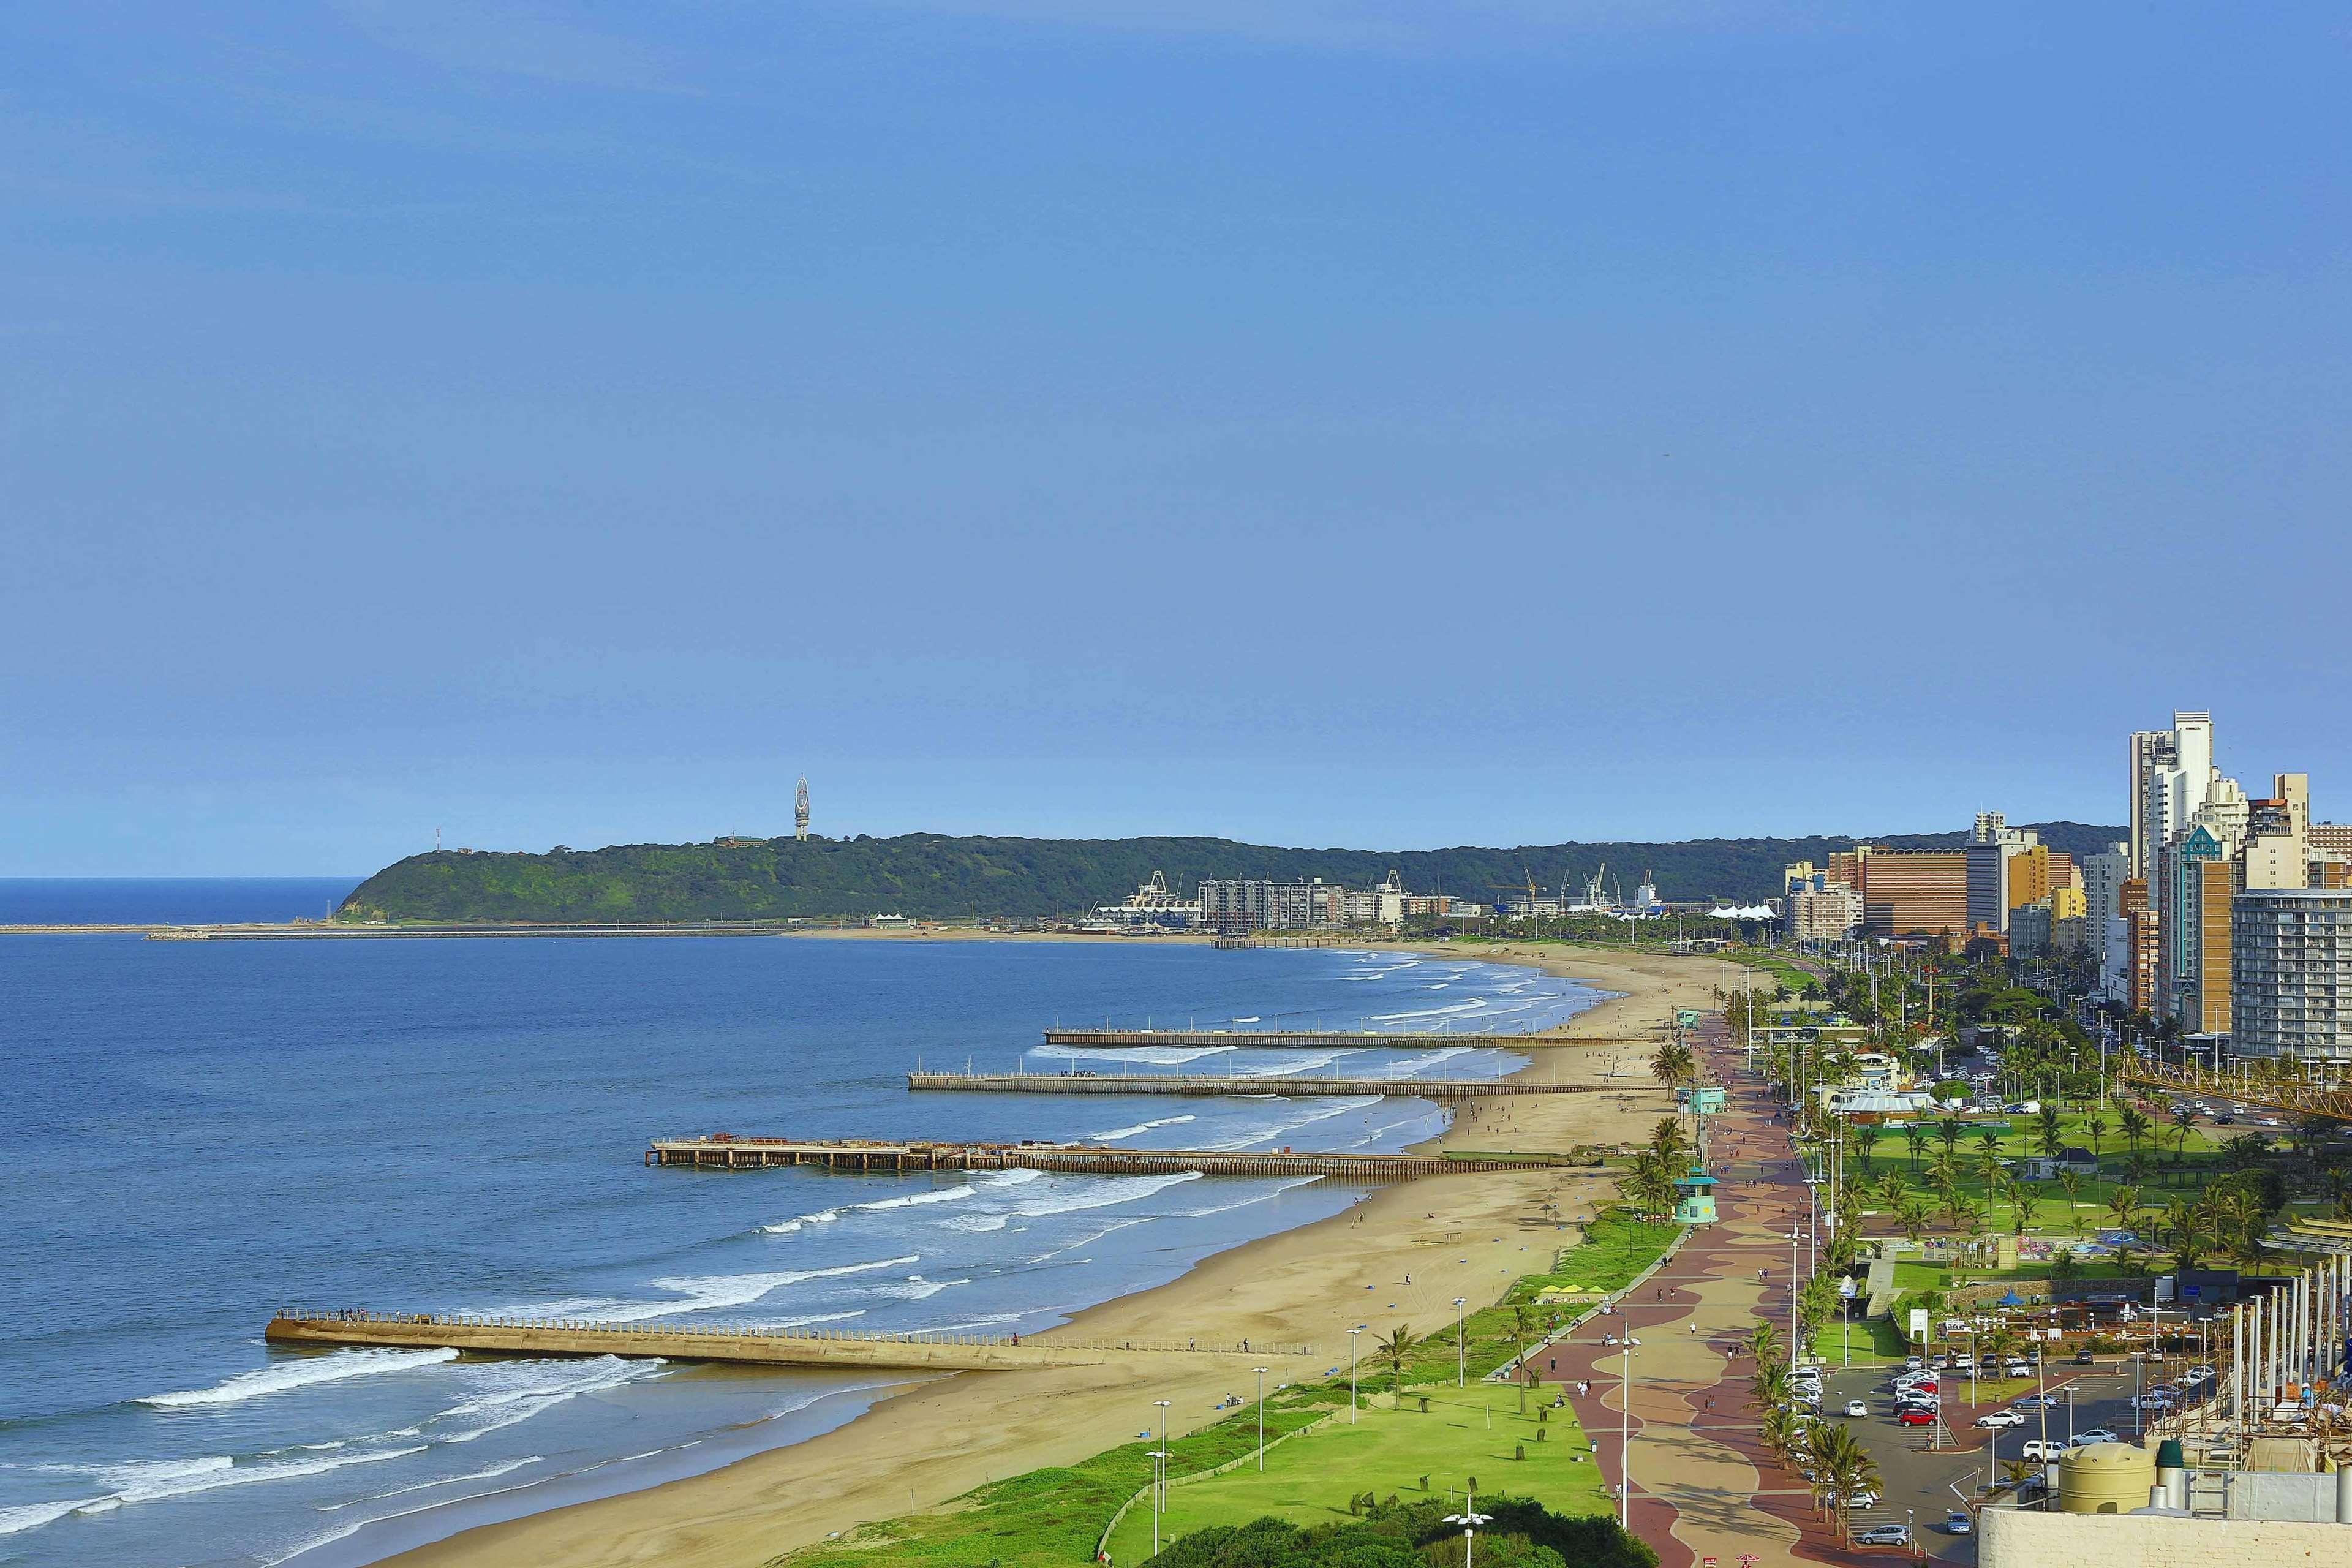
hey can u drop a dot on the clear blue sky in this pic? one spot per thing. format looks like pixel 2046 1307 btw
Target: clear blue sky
pixel 1368 423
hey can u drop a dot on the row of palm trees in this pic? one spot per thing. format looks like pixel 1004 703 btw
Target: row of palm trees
pixel 1841 1469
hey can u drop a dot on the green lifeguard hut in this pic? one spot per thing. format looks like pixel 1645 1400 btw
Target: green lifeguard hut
pixel 1704 1099
pixel 1686 1018
pixel 1694 1200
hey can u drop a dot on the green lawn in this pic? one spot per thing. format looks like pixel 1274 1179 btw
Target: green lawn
pixel 1309 1479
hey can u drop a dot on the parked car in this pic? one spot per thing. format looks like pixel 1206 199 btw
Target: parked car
pixel 1911 1364
pixel 2036 1402
pixel 1914 1415
pixel 1958 1523
pixel 2035 1448
pixel 2084 1358
pixel 2016 1369
pixel 1883 1535
pixel 2000 1418
pixel 2095 1434
pixel 2152 1401
pixel 1856 1407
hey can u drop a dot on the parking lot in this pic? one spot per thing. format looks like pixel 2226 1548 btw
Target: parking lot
pixel 1928 1472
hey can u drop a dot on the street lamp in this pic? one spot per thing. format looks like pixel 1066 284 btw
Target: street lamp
pixel 1460 1346
pixel 1163 1453
pixel 1159 1468
pixel 1469 1520
pixel 1261 1419
pixel 1625 1432
pixel 1352 1342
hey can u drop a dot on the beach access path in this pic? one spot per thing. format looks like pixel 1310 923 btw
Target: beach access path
pixel 1402 1255
pixel 1706 1490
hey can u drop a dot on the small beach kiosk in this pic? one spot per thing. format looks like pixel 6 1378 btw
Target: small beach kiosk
pixel 1695 1198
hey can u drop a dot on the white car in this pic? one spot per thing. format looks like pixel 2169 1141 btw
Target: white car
pixel 2017 1369
pixel 1991 1419
pixel 1856 1407
pixel 2035 1448
pixel 2151 1401
pixel 2095 1434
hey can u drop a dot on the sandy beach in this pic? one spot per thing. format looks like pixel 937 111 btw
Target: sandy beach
pixel 1466 1236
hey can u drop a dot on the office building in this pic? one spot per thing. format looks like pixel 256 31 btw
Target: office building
pixel 2103 878
pixel 2204 1001
pixel 2139 946
pixel 2179 886
pixel 2291 973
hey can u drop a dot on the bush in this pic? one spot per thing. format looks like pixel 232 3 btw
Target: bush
pixel 1518 1534
pixel 1950 1089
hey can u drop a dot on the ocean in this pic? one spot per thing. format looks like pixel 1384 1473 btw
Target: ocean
pixel 193 1134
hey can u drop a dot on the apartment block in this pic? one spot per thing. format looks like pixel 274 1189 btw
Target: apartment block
pixel 2291 973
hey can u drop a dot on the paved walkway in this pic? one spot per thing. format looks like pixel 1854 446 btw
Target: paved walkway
pixel 1705 1488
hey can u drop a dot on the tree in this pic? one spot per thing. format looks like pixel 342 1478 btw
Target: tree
pixel 1842 1470
pixel 1522 1328
pixel 2183 1118
pixel 1916 1136
pixel 2046 1131
pixel 1393 1349
pixel 1891 1188
pixel 2185 1231
pixel 2072 1186
pixel 1914 1218
pixel 2024 1197
pixel 1948 1130
pixel 2124 1204
pixel 1673 1066
pixel 2096 1126
pixel 2136 1126
pixel 1867 1137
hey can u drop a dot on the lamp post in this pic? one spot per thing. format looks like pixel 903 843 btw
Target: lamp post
pixel 1461 1346
pixel 1469 1518
pixel 1163 1453
pixel 1159 1468
pixel 1625 1432
pixel 1352 1341
pixel 1261 1419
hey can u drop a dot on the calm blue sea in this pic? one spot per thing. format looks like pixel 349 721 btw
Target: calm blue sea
pixel 169 900
pixel 193 1134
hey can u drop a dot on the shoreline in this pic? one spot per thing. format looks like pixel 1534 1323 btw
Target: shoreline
pixel 918 1445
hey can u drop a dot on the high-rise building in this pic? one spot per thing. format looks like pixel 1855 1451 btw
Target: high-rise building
pixel 2205 1008
pixel 2101 883
pixel 2180 885
pixel 2029 876
pixel 1847 867
pixel 1829 913
pixel 2291 973
pixel 2277 851
pixel 2139 946
pixel 1915 893
pixel 1235 906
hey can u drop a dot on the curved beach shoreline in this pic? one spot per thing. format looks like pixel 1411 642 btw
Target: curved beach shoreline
pixel 931 1442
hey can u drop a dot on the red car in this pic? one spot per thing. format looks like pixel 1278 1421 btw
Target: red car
pixel 1915 1416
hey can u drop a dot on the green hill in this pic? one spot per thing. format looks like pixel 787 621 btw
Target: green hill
pixel 932 875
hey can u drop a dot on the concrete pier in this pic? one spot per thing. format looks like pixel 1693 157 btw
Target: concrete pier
pixel 768 1347
pixel 1438 1089
pixel 1304 1039
pixel 725 1152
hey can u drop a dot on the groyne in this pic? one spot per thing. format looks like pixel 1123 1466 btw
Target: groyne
pixel 725 1152
pixel 1439 1089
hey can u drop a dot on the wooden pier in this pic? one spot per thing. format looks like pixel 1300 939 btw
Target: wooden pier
pixel 1209 1084
pixel 752 1347
pixel 725 1152
pixel 1306 1040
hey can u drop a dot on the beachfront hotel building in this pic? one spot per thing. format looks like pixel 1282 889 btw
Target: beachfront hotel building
pixel 1828 912
pixel 2291 973
pixel 1911 892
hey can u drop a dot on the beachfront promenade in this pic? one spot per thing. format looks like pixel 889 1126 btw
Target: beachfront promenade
pixel 1441 1088
pixel 1307 1039
pixel 940 1353
pixel 725 1152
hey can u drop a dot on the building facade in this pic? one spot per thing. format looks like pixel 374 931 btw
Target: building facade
pixel 1831 912
pixel 2291 973
pixel 1915 893
pixel 1235 906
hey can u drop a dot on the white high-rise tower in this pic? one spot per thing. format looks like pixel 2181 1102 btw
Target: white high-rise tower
pixel 799 810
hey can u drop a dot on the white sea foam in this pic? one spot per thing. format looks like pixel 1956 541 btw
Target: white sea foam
pixel 1103 1193
pixel 1275 1191
pixel 33 1515
pixel 1284 1069
pixel 1457 1007
pixel 515 1392
pixel 917 1288
pixel 1320 1109
pixel 1412 1064
pixel 1161 1055
pixel 704 1293
pixel 815 1318
pixel 507 1468
pixel 1118 1133
pixel 330 1368
pixel 1090 1238
pixel 974 1223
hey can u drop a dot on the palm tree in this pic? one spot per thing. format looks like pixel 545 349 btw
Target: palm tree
pixel 1971 1222
pixel 1764 1342
pixel 1393 1349
pixel 1867 1137
pixel 1916 1136
pixel 2134 1124
pixel 2096 1126
pixel 1842 1470
pixel 1523 1322
pixel 2184 1228
pixel 2022 1198
pixel 1914 1216
pixel 2046 1131
pixel 2183 1118
pixel 1674 1065
pixel 2072 1186
pixel 2124 1204
pixel 1948 1130
pixel 1891 1188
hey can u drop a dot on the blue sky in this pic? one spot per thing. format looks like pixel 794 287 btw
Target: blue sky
pixel 1324 423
